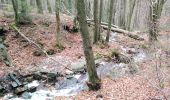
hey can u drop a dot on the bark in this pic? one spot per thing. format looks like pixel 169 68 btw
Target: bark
pixel 155 14
pixel 49 6
pixel 32 3
pixel 110 20
pixel 122 14
pixel 2 1
pixel 100 17
pixel 124 32
pixel 130 10
pixel 96 21
pixel 94 81
pixel 15 7
pixel 58 33
pixel 39 6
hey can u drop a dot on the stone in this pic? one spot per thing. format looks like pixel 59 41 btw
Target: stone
pixel 19 90
pixel 14 84
pixel 37 53
pixel 1 89
pixel 79 65
pixel 26 95
pixel 68 72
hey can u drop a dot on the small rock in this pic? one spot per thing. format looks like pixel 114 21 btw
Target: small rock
pixel 79 65
pixel 26 95
pixel 50 52
pixel 68 72
pixel 37 53
pixel 19 90
pixel 14 84
pixel 99 96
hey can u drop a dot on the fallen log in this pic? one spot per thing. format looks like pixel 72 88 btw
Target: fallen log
pixel 38 46
pixel 102 23
pixel 118 30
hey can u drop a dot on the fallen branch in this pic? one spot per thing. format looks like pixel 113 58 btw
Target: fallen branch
pixel 39 47
pixel 102 23
pixel 116 29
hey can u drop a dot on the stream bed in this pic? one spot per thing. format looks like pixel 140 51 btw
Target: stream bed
pixel 73 82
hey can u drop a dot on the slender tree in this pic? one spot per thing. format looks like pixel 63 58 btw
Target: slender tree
pixel 39 6
pixel 100 17
pixel 94 81
pixel 110 20
pixel 58 33
pixel 2 1
pixel 129 11
pixel 155 14
pixel 96 21
pixel 32 3
pixel 15 7
pixel 49 6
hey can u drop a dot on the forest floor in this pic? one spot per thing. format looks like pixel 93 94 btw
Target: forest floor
pixel 144 85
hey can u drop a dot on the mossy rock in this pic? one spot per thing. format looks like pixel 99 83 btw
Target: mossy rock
pixel 38 53
pixel 50 52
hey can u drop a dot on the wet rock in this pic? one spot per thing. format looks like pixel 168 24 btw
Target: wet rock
pixel 14 85
pixel 68 83
pixel 26 95
pixel 1 89
pixel 68 72
pixel 19 90
pixel 16 82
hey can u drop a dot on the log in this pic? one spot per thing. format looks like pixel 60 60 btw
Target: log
pixel 39 47
pixel 115 28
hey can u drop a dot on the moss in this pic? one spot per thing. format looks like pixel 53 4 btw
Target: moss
pixel 50 52
pixel 144 46
pixel 98 56
pixel 60 47
pixel 115 53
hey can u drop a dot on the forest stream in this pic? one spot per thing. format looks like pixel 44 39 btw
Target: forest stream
pixel 73 82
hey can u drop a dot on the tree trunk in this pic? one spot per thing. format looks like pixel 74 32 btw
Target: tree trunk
pixel 39 6
pixel 96 21
pixel 49 6
pixel 2 1
pixel 58 33
pixel 94 81
pixel 110 20
pixel 100 17
pixel 15 7
pixel 32 3
pixel 129 11
pixel 155 14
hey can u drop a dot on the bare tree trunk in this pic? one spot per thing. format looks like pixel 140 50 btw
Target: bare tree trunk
pixel 96 21
pixel 155 14
pixel 32 3
pixel 94 81
pixel 39 6
pixel 129 11
pixel 100 17
pixel 122 15
pixel 15 7
pixel 49 6
pixel 110 20
pixel 58 32
pixel 2 1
